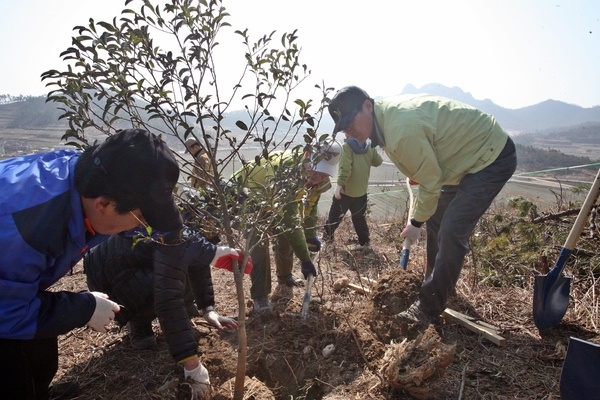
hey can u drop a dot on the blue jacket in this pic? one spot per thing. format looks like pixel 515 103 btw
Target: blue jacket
pixel 42 236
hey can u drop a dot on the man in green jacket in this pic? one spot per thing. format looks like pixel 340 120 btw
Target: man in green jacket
pixel 354 170
pixel 294 233
pixel 461 158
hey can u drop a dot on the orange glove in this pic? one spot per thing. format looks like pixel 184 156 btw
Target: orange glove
pixel 224 257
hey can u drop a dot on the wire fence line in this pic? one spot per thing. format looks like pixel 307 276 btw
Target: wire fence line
pixel 390 201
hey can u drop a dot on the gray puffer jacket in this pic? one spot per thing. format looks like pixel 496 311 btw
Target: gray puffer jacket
pixel 152 280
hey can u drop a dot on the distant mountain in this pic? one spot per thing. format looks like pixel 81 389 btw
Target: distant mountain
pixel 539 117
pixel 550 114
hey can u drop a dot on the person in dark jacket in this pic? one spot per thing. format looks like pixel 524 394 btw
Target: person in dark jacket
pixel 126 273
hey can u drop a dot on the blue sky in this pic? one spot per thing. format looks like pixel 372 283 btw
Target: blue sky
pixel 514 52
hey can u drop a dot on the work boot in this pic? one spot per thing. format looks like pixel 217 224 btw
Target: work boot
pixel 141 335
pixel 262 305
pixel 415 315
pixel 290 281
pixel 64 390
pixel 360 247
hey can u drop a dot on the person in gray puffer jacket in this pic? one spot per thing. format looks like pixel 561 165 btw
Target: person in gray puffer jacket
pixel 133 277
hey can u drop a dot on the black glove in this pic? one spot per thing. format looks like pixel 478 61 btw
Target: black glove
pixel 308 268
pixel 313 244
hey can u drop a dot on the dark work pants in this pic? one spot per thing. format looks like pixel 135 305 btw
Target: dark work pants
pixel 448 230
pixel 358 209
pixel 27 368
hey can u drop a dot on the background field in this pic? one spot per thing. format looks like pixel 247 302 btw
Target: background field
pixel 387 192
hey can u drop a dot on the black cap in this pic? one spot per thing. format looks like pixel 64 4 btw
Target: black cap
pixel 344 106
pixel 142 166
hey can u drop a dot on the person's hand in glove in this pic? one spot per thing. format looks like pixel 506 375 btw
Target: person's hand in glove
pixel 218 321
pixel 308 268
pixel 338 192
pixel 103 313
pixel 224 257
pixel 313 244
pixel 200 382
pixel 411 231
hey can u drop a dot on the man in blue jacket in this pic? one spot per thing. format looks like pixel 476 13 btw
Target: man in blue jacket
pixel 53 207
pixel 461 158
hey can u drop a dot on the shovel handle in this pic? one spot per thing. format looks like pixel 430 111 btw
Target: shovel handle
pixel 309 282
pixel 404 256
pixel 584 213
pixel 577 228
pixel 306 299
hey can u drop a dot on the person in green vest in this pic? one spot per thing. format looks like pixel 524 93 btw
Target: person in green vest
pixel 461 158
pixel 354 170
pixel 295 233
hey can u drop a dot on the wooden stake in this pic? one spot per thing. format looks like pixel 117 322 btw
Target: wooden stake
pixel 488 331
pixel 358 288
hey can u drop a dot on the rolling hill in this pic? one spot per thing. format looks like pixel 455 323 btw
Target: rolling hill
pixel 551 124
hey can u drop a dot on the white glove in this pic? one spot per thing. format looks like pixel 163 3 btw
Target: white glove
pixel 338 192
pixel 223 251
pixel 224 257
pixel 199 381
pixel 219 322
pixel 104 312
pixel 411 232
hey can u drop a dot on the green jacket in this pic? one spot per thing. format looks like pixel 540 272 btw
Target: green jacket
pixel 299 215
pixel 436 141
pixel 354 170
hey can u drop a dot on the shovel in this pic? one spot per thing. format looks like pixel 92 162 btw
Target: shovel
pixel 551 291
pixel 580 376
pixel 404 255
pixel 306 299
pixel 309 282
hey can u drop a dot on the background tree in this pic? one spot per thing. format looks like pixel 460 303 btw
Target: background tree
pixel 156 69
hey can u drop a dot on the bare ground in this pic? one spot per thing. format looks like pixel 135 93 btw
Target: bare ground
pixel 374 357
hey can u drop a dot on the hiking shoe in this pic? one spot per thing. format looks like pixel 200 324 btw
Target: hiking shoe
pixel 415 315
pixel 360 247
pixel 141 335
pixel 64 390
pixel 290 281
pixel 262 305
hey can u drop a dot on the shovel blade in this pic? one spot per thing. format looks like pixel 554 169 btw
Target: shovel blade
pixel 550 300
pixel 580 375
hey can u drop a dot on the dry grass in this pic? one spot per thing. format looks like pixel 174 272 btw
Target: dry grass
pixel 285 351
